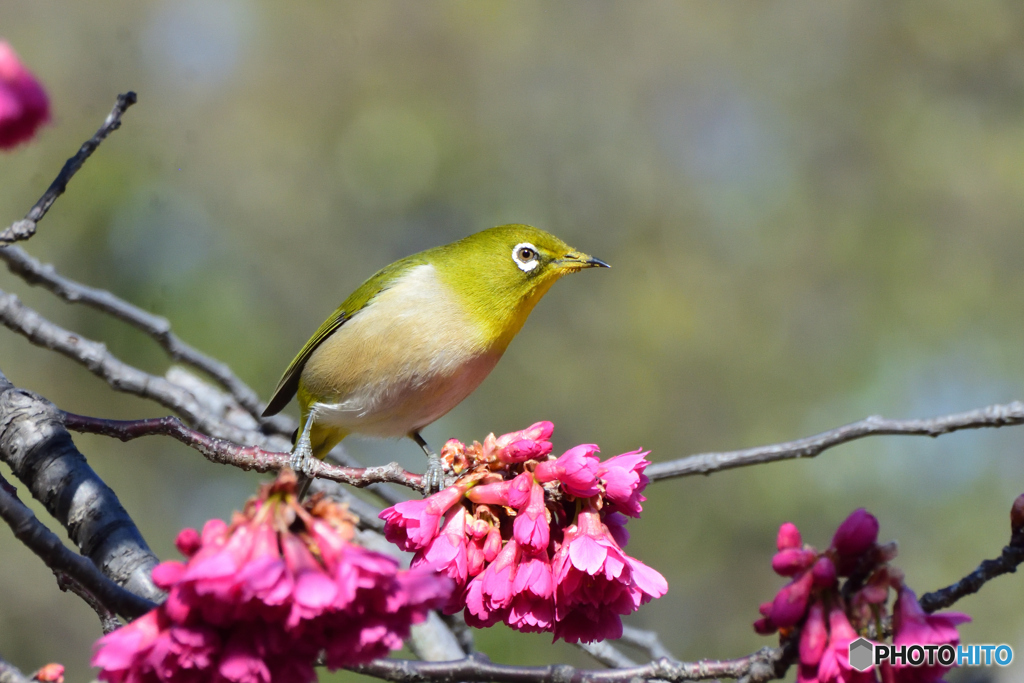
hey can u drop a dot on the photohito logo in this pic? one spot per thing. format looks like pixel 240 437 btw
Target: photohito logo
pixel 864 654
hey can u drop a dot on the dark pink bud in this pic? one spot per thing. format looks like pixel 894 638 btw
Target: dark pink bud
pixel 791 561
pixel 765 608
pixel 824 573
pixel 789 537
pixel 519 490
pixel 856 534
pixel 188 542
pixel 1017 514
pixel 791 601
pixel 765 627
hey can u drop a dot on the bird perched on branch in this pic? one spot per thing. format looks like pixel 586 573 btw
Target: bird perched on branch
pixel 417 338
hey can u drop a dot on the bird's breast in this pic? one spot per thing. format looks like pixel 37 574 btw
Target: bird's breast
pixel 407 358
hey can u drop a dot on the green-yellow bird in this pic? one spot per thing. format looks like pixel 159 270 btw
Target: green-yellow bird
pixel 418 337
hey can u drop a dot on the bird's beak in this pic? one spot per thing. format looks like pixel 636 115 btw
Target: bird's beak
pixel 575 260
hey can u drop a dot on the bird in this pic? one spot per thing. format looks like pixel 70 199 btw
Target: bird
pixel 417 338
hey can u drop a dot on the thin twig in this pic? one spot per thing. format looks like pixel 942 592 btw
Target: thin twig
pixel 159 328
pixel 226 452
pixel 763 665
pixel 44 543
pixel 108 619
pixel 1007 563
pixel 11 674
pixel 607 654
pixel 119 375
pixel 648 641
pixel 23 229
pixel 706 463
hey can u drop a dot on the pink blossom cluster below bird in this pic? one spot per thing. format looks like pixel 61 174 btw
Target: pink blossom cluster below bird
pixel 259 600
pixel 532 540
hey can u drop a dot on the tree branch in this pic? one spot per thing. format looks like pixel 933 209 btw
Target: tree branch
pixel 246 457
pixel 23 229
pixel 648 641
pixel 119 375
pixel 763 665
pixel 11 674
pixel 706 463
pixel 34 443
pixel 44 543
pixel 157 327
pixel 1007 563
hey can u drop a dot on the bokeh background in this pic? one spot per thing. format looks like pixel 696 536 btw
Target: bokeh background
pixel 813 211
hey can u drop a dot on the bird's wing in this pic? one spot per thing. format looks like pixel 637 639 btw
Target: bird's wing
pixel 356 301
pixel 289 383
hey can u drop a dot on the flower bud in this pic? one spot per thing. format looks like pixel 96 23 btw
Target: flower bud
pixel 1017 515
pixel 188 542
pixel 824 573
pixel 856 534
pixel 791 561
pixel 791 601
pixel 789 537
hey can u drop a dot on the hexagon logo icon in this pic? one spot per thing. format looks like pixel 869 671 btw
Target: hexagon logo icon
pixel 862 654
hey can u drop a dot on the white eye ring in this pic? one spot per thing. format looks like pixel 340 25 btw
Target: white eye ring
pixel 529 263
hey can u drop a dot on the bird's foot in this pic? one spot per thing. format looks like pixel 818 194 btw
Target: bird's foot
pixel 302 460
pixel 433 478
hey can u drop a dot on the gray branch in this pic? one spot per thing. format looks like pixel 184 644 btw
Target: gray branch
pixel 705 463
pixel 11 674
pixel 35 273
pixel 23 229
pixel 44 543
pixel 95 357
pixel 34 443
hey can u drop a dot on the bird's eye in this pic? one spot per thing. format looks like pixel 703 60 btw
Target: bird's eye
pixel 525 256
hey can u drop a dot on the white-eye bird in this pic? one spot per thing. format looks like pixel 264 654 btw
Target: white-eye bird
pixel 418 337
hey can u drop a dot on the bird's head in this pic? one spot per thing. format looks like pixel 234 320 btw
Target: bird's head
pixel 502 272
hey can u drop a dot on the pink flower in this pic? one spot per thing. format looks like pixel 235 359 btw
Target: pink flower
pixel 526 444
pixel 597 582
pixel 624 481
pixel 259 599
pixel 834 666
pixel 576 470
pixel 412 524
pixel 533 608
pixel 911 625
pixel 447 553
pixel 24 105
pixel 813 637
pixel 490 593
pixel 856 534
pixel 531 528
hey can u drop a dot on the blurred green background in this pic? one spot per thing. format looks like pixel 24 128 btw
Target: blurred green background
pixel 813 211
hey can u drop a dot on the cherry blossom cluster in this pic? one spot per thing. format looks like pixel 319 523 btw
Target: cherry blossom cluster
pixel 831 616
pixel 259 599
pixel 532 540
pixel 24 105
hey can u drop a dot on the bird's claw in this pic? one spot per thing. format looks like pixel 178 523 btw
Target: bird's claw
pixel 302 460
pixel 433 479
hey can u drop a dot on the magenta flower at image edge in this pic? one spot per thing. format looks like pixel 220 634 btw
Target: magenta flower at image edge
pixel 24 105
pixel 556 564
pixel 259 599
